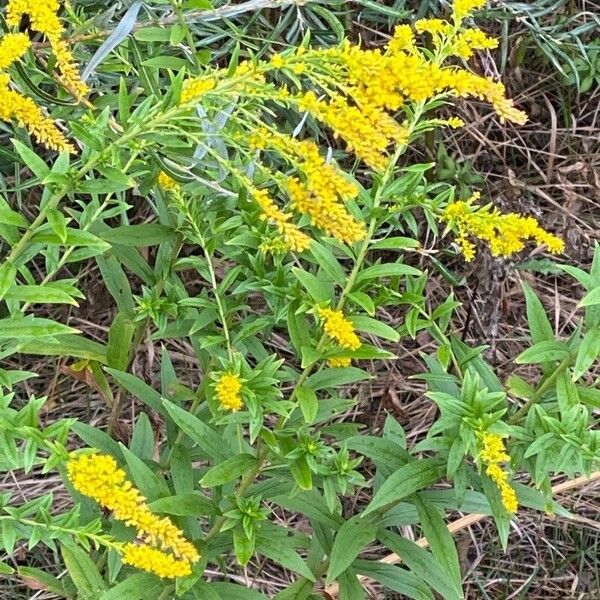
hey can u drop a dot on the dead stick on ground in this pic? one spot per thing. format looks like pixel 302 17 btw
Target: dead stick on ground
pixel 464 522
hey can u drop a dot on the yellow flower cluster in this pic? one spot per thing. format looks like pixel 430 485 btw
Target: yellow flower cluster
pixel 154 561
pixel 13 105
pixel 338 363
pixel 366 128
pixel 492 454
pixel 470 40
pixel 99 477
pixel 43 18
pixel 195 88
pixel 228 389
pixel 461 9
pixel 166 182
pixel 339 328
pixel 505 233
pixel 294 239
pixel 322 193
pixel 12 47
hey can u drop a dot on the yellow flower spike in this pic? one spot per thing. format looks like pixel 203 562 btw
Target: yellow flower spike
pixel 43 17
pixel 492 454
pixel 99 477
pixel 12 47
pixel 155 561
pixel 290 233
pixel 339 328
pixel 505 234
pixel 228 389
pixel 28 114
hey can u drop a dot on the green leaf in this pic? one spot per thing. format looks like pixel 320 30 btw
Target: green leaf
pixel 330 378
pixel 591 298
pixel 316 287
pixel 229 469
pixel 279 551
pixel 120 341
pixel 138 586
pixel 103 187
pixel 350 587
pixel 422 563
pixel 200 432
pixel 40 294
pixel 37 166
pixel 588 352
pixel 6 569
pixel 8 273
pixel 440 539
pixel 76 346
pixel 83 571
pixel 142 391
pixel 386 270
pixel 546 351
pixel 539 325
pixel 394 578
pixel 149 483
pixel 148 234
pixel 184 505
pixel 354 535
pixel 369 325
pixel 407 480
pixel 30 326
pixel 308 402
pixel 243 546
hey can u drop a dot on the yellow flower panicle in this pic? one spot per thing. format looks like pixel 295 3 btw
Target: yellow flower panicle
pixel 506 234
pixel 367 129
pixel 99 477
pixel 324 190
pixel 492 454
pixel 228 389
pixel 28 114
pixel 339 328
pixel 155 561
pixel 43 17
pixel 12 47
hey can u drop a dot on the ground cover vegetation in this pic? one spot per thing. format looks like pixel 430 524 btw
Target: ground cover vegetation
pixel 286 287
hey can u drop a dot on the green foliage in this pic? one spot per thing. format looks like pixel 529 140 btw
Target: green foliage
pixel 189 270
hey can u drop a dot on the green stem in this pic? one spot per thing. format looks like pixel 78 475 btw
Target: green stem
pixel 537 395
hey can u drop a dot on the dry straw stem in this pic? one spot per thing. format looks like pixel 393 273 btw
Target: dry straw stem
pixel 464 522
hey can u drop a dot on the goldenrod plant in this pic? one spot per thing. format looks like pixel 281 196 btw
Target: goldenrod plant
pixel 255 213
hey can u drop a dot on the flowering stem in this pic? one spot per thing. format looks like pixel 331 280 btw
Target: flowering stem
pixel 537 395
